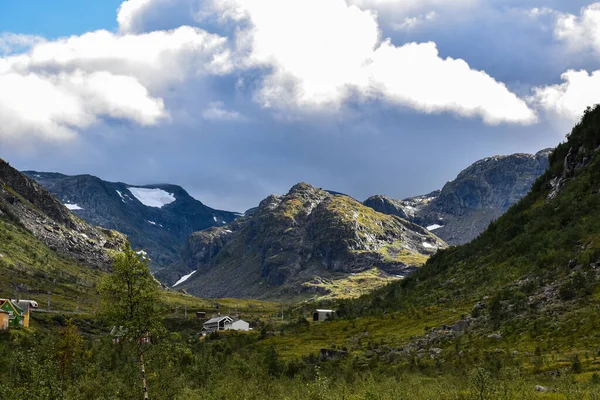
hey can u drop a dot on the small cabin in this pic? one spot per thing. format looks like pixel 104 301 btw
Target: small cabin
pixel 322 315
pixel 200 315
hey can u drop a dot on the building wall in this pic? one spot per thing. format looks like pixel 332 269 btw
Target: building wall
pixel 3 321
pixel 320 316
pixel 239 326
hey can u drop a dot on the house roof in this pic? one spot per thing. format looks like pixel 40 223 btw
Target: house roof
pixel 15 308
pixel 325 311
pixel 217 319
pixel 23 305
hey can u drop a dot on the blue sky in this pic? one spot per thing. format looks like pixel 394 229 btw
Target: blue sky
pixel 235 100
pixel 57 18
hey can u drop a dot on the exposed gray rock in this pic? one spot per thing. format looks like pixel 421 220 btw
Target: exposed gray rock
pixel 479 194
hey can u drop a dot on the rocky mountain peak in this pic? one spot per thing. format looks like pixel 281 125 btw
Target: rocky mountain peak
pixel 294 237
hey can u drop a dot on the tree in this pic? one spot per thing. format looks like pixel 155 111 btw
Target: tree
pixel 130 302
pixel 70 347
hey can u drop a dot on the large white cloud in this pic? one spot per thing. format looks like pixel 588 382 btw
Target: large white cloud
pixel 60 87
pixel 319 54
pixel 310 55
pixel 580 32
pixel 51 107
pixel 569 99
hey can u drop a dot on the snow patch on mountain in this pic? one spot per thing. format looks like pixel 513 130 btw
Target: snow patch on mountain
pixel 434 227
pixel 73 207
pixel 156 198
pixel 184 278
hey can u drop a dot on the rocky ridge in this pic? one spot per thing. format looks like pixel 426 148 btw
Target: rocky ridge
pixel 465 206
pixel 160 227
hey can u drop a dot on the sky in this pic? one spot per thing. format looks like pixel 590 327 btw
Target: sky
pixel 238 99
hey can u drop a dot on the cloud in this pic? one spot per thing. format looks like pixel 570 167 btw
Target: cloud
pixel 580 32
pixel 61 87
pixel 400 8
pixel 54 107
pixel 16 43
pixel 569 99
pixel 413 22
pixel 323 67
pixel 216 112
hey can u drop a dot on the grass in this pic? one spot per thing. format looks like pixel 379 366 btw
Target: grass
pixel 29 267
pixel 350 286
pixel 358 334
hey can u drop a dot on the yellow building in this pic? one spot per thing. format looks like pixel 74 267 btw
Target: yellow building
pixel 3 320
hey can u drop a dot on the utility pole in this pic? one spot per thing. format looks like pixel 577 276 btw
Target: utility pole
pixel 77 306
pixel 282 311
pixel 49 300
pixel 185 311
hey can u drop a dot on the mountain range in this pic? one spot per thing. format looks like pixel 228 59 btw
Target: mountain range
pixel 156 218
pixel 310 240
pixel 44 248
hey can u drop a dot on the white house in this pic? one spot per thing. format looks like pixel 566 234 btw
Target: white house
pixel 239 325
pixel 321 315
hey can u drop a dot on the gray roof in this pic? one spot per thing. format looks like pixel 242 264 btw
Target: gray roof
pixel 217 319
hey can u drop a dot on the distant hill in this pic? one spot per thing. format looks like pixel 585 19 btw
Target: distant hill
pixel 299 243
pixel 156 218
pixel 465 206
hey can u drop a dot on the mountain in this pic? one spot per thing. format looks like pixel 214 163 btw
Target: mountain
pixel 156 218
pixel 533 275
pixel 44 247
pixel 465 206
pixel 301 242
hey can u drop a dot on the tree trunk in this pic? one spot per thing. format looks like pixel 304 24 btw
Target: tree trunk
pixel 143 367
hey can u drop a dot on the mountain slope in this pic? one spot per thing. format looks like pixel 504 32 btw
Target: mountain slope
pixel 292 243
pixel 537 264
pixel 44 248
pixel 157 218
pixel 465 206
pixel 32 207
